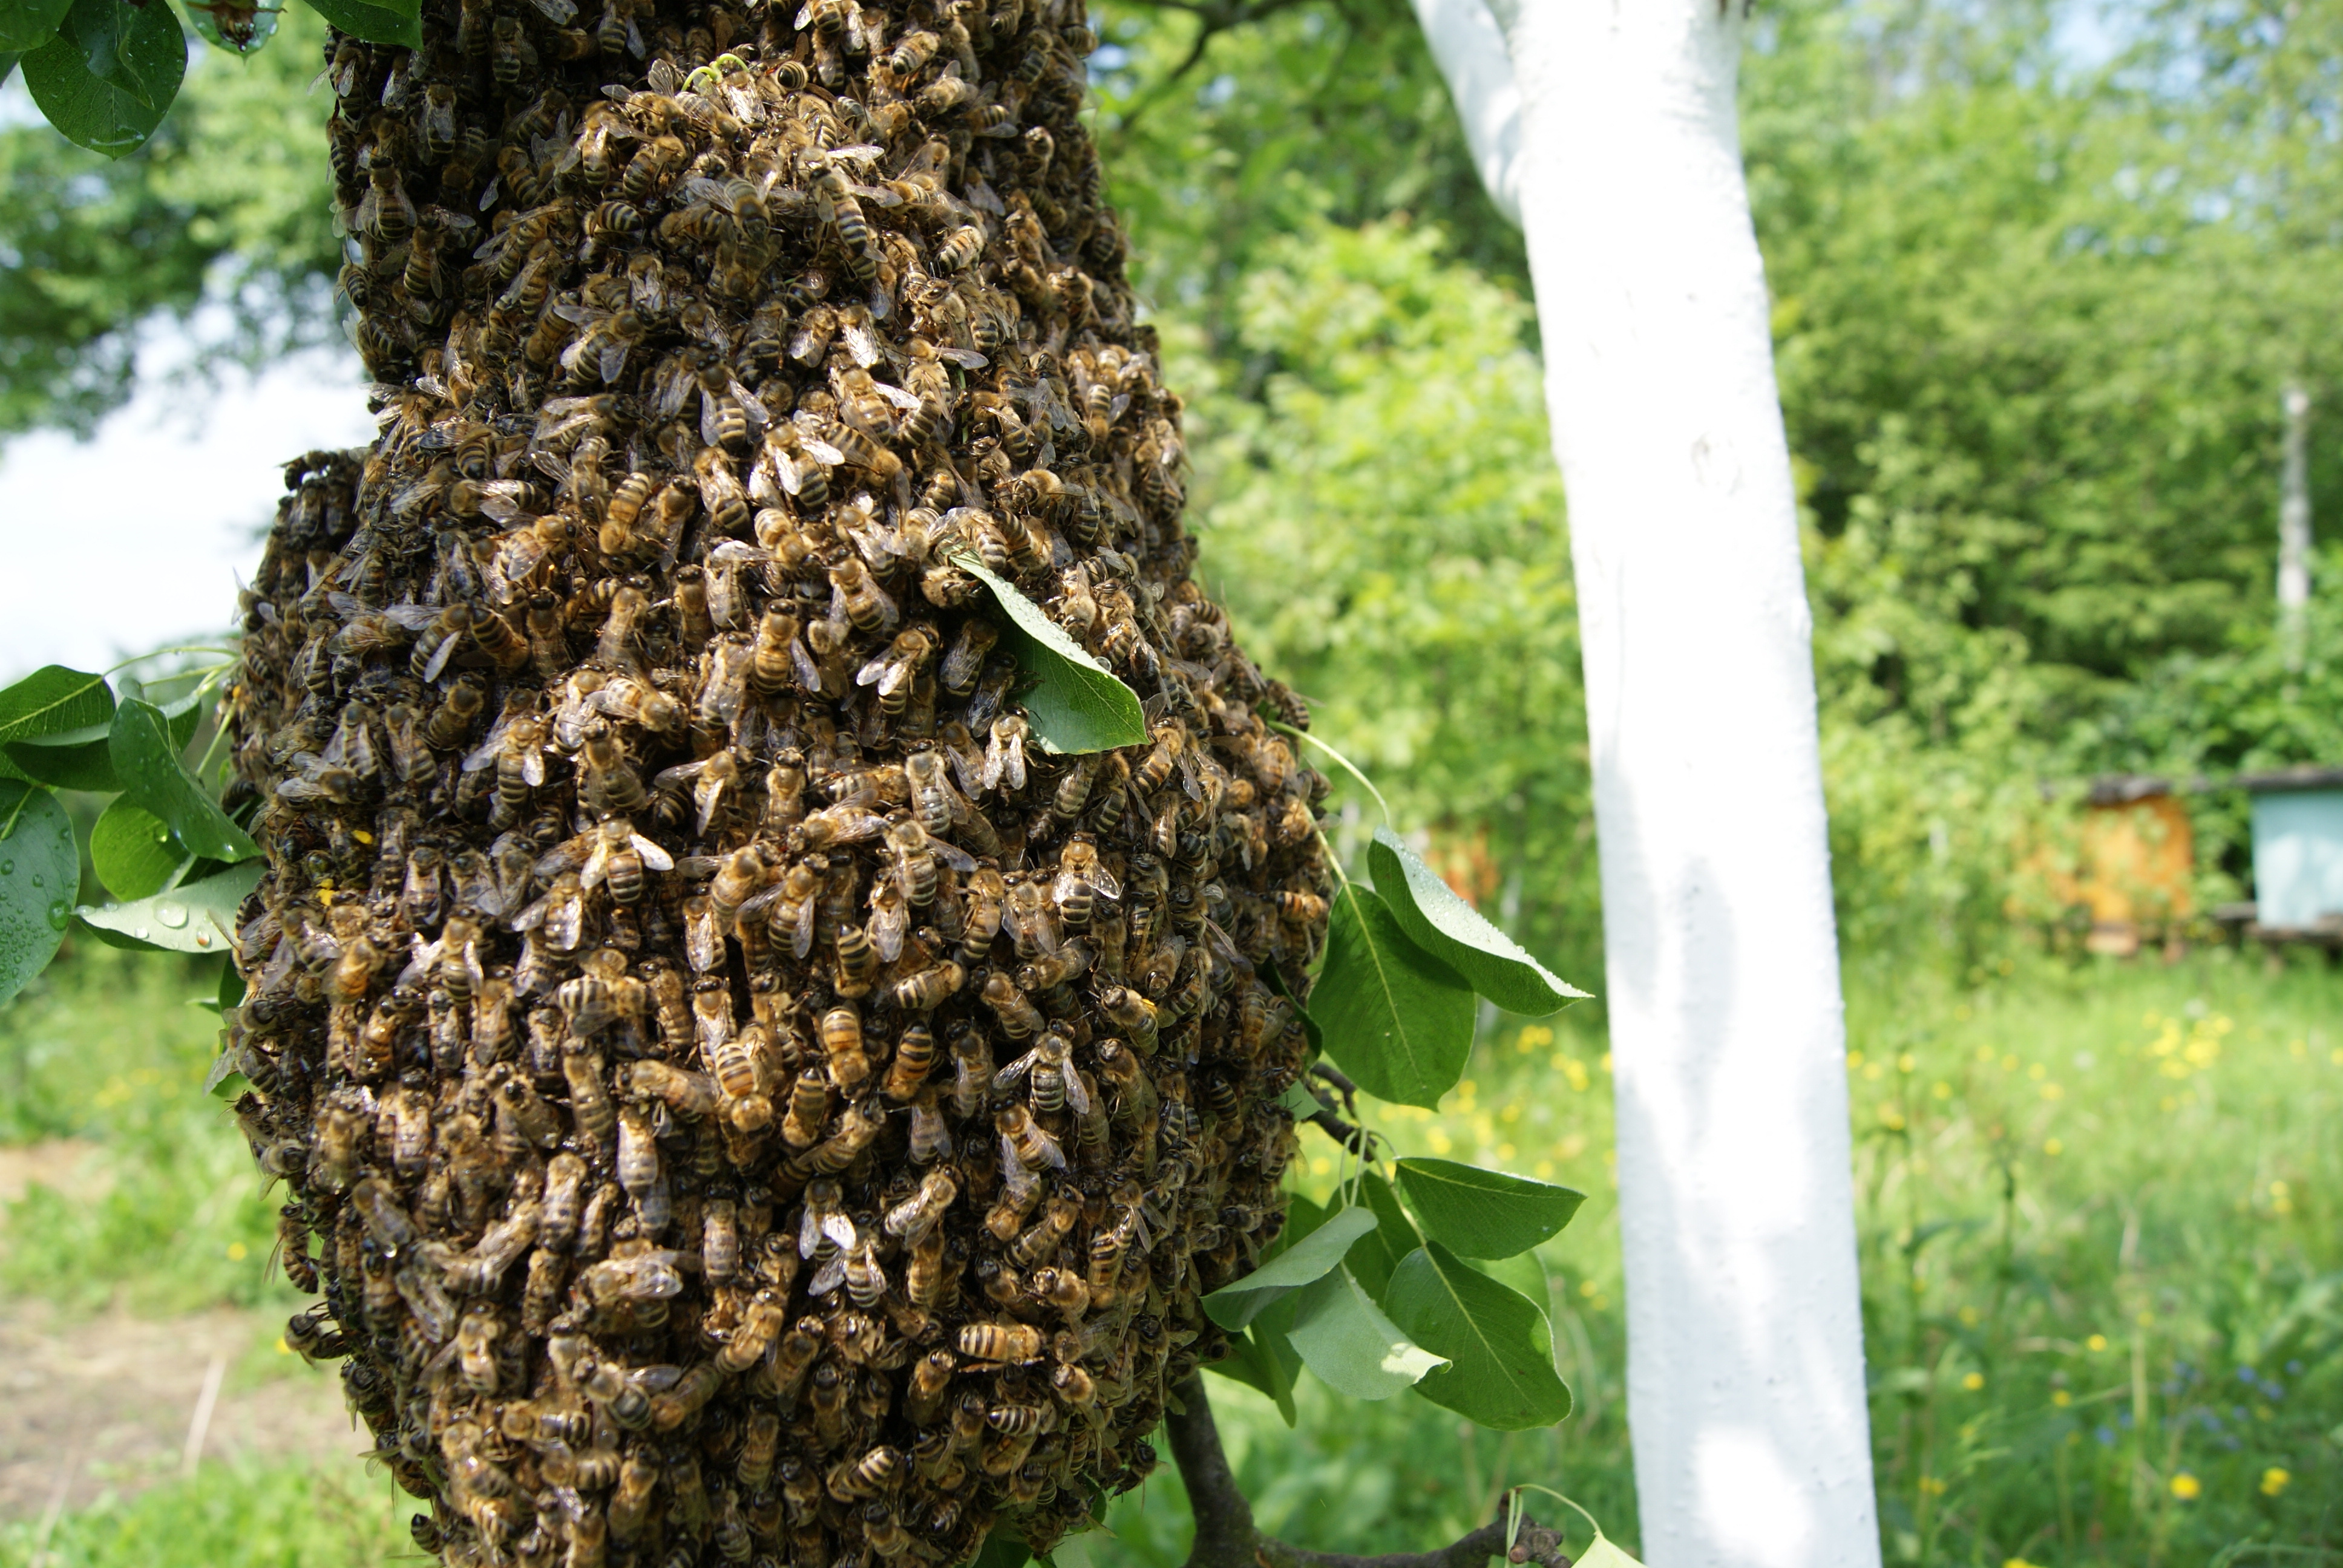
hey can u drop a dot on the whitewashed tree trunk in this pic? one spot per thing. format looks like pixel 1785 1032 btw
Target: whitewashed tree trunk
pixel 1744 1377
pixel 2294 529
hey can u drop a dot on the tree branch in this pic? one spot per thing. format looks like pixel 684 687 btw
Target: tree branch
pixel 1330 1121
pixel 1227 1538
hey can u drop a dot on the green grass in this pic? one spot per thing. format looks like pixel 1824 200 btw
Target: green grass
pixel 297 1515
pixel 2103 1266
pixel 170 1215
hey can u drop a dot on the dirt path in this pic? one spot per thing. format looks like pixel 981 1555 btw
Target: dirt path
pixel 92 1404
pixel 109 1403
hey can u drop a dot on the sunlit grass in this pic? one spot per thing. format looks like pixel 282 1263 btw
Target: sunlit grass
pixel 169 1214
pixel 329 1513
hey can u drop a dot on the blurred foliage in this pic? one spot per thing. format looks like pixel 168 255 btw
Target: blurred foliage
pixel 167 1209
pixel 324 1513
pixel 230 204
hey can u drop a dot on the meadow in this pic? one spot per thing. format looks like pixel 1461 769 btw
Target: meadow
pixel 2103 1276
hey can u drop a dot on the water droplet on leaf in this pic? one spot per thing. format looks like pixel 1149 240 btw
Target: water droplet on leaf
pixel 60 914
pixel 170 914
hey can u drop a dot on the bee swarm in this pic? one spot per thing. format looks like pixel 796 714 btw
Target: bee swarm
pixel 746 1098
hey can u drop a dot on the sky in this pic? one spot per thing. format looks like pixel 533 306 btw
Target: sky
pixel 138 539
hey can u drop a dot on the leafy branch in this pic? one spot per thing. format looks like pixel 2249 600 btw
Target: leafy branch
pixel 179 864
pixel 1226 1536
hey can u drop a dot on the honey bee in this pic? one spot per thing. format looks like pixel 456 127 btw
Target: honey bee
pixel 840 1031
pixel 930 1135
pixel 928 987
pixel 794 906
pixel 838 211
pixel 1001 1344
pixel 960 248
pixel 914 855
pixel 622 858
pixel 1055 1084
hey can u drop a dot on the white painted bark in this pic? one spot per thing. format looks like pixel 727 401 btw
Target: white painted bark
pixel 1466 41
pixel 2294 528
pixel 1744 1377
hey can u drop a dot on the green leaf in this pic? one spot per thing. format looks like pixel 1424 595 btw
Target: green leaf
pixel 197 918
pixel 1004 1548
pixel 146 761
pixel 1497 1340
pixel 1259 1359
pixel 1397 1020
pixel 1078 704
pixel 395 23
pixel 181 714
pixel 241 29
pixel 109 75
pixel 1234 1305
pixel 131 850
pixel 77 759
pixel 1603 1552
pixel 1481 1213
pixel 54 700
pixel 40 873
pixel 27 24
pixel 1374 1256
pixel 1343 1337
pixel 1453 930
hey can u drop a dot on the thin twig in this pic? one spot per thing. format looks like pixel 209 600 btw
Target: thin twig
pixel 1227 1538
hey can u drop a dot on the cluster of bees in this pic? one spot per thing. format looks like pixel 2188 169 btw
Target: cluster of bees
pixel 740 1096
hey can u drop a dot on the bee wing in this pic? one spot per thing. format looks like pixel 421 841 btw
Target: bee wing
pixel 801 940
pixel 754 907
pixel 532 765
pixel 708 409
pixel 958 859
pixel 413 616
pixel 828 1277
pixel 1008 1076
pixel 1013 1174
pixel 897 396
pixel 280 965
pixel 840 1230
pixel 966 358
pixel 877 195
pixel 876 672
pixel 529 919
pixel 598 866
pixel 654 858
pixel 809 673
pixel 484 755
pixel 567 856
pixel 614 361
pixel 758 415
pixel 1078 1092
pixel 886 929
pixel 439 657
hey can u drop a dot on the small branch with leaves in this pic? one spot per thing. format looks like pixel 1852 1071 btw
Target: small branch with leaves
pixel 1226 1536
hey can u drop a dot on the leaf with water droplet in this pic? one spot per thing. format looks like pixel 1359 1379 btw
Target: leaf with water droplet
pixel 205 913
pixel 147 759
pixel 40 856
pixel 133 852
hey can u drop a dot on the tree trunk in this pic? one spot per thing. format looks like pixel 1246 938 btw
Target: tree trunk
pixel 1746 1387
pixel 2294 529
pixel 753 1102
